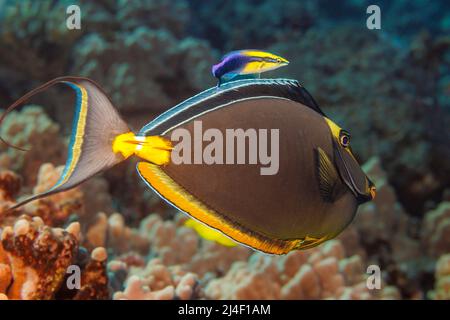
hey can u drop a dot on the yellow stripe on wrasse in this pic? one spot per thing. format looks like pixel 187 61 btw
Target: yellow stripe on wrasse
pixel 263 54
pixel 254 67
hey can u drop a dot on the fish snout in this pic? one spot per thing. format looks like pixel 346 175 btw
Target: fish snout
pixel 283 61
pixel 372 190
pixel 369 193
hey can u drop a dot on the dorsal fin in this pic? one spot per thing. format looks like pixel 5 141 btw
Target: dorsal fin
pixel 214 98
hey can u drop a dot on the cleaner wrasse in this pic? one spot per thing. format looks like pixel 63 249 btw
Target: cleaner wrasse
pixel 312 198
pixel 246 64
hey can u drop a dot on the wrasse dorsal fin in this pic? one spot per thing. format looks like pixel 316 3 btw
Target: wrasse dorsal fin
pixel 330 184
pixel 228 92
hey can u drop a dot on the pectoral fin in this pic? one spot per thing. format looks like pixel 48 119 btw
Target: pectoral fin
pixel 330 184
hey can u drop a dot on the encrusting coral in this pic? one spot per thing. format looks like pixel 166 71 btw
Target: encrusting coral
pixel 36 256
pixel 34 259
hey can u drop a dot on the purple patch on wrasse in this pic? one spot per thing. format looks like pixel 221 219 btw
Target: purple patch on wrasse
pixel 231 63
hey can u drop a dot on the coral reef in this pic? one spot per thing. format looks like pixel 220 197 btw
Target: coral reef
pixel 34 130
pixel 150 55
pixel 35 254
pixel 321 273
pixel 159 282
pixel 390 88
pixel 442 286
pixel 172 68
pixel 163 259
pixel 436 230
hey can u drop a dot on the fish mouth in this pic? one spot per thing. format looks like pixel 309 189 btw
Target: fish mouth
pixel 369 195
pixel 372 190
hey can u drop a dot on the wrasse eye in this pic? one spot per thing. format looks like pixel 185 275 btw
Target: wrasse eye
pixel 344 139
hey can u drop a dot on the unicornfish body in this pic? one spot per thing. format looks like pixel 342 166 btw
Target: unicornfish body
pixel 311 197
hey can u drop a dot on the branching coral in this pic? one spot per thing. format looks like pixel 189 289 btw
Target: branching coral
pixel 158 282
pixel 316 274
pixel 112 232
pixel 55 209
pixel 176 244
pixel 442 275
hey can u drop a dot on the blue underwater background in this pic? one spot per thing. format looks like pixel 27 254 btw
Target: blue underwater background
pixel 389 87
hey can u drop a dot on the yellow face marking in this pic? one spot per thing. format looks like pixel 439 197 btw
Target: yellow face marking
pixel 335 129
pixel 184 201
pixel 336 132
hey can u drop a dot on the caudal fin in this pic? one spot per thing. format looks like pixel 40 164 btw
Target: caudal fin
pixel 96 123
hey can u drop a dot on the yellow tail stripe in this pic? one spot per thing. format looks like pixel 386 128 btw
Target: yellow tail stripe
pixel 79 134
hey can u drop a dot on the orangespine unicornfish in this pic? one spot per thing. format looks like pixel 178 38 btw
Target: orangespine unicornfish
pixel 313 196
pixel 246 64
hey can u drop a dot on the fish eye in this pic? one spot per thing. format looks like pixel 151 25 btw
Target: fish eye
pixel 344 139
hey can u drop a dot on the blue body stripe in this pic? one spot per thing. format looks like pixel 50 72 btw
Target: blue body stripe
pixel 205 95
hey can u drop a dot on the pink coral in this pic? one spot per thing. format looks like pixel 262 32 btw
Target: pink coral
pixel 159 282
pixel 319 273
